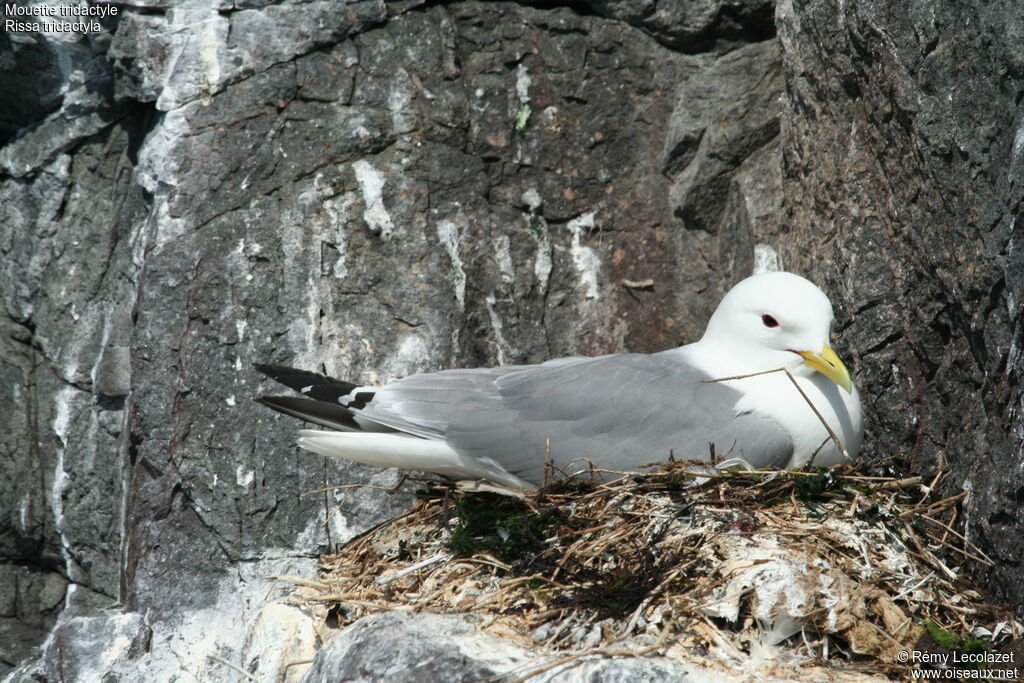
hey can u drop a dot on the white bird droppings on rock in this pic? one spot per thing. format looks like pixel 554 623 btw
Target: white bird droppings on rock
pixel 244 477
pixel 532 199
pixel 450 236
pixel 371 182
pixel 584 258
pixel 503 256
pixel 523 83
pixel 766 259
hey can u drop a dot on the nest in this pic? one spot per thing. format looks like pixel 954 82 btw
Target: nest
pixel 753 573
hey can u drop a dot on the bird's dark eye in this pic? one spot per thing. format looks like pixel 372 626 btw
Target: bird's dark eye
pixel 769 321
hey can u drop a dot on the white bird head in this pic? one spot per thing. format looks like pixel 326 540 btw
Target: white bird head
pixel 778 320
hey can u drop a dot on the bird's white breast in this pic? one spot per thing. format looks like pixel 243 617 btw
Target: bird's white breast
pixel 773 396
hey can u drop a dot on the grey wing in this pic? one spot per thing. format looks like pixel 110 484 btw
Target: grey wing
pixel 620 411
pixel 425 405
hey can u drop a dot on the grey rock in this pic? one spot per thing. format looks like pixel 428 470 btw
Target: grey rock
pixel 712 132
pixel 626 670
pixel 89 648
pixel 404 646
pixel 30 603
pixel 58 89
pixel 901 138
pixel 696 25
pixel 721 156
pixel 194 51
pixel 408 646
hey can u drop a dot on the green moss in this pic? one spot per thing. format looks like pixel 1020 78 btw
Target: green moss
pixel 972 645
pixel 941 636
pixel 535 226
pixel 822 482
pixel 523 118
pixel 812 489
pixel 951 641
pixel 500 526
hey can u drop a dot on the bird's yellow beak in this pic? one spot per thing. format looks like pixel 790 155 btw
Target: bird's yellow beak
pixel 828 364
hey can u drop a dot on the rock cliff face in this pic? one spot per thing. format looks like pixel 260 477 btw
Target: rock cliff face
pixel 375 189
pixel 902 136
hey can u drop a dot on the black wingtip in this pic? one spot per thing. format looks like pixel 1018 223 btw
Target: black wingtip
pixel 311 410
pixel 310 384
pixel 273 371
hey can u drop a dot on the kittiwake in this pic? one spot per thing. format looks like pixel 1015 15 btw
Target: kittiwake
pixel 615 412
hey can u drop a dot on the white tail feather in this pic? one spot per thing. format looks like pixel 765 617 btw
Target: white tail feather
pixel 405 452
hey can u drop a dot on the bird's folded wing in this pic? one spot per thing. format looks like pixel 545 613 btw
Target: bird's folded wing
pixel 620 411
